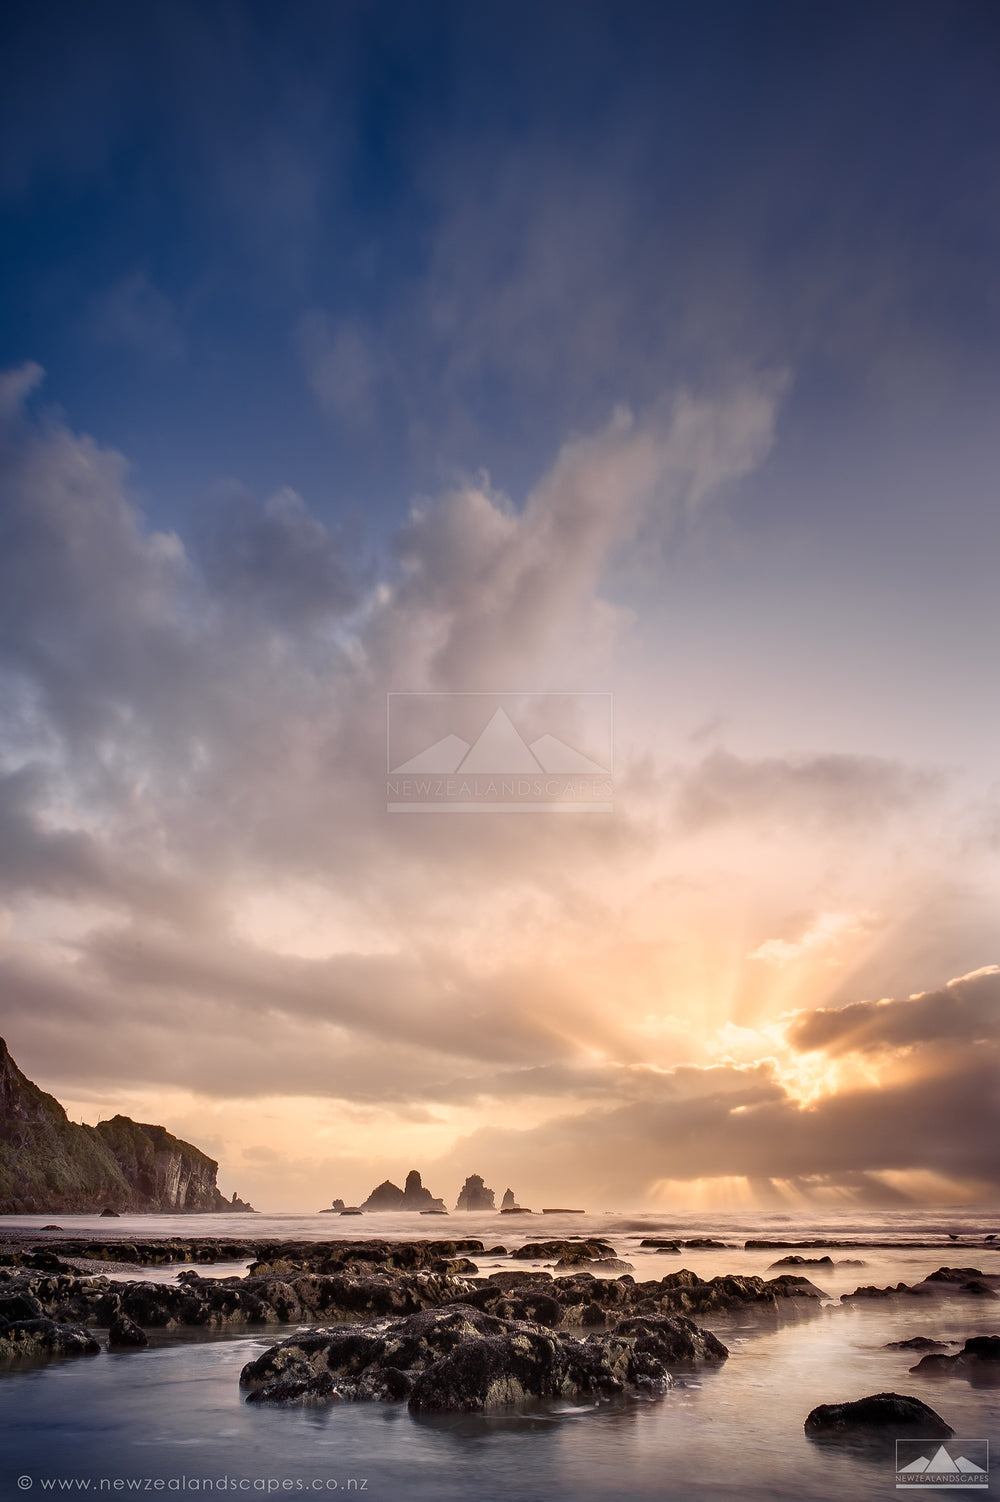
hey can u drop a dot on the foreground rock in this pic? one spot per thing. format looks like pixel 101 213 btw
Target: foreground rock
pixel 44 1337
pixel 886 1414
pixel 461 1360
pixel 125 1334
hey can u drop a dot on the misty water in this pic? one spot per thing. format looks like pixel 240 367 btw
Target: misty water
pixel 174 1412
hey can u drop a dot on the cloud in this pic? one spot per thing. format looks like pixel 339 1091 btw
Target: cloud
pixel 136 315
pixel 965 1011
pixel 341 366
pixel 836 789
pixel 822 934
pixel 854 1143
pixel 194 844
pixel 276 560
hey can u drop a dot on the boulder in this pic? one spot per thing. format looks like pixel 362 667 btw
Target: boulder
pixel 45 1337
pixel 575 1251
pixel 458 1359
pixel 125 1335
pixel 674 1340
pixel 19 1306
pixel 887 1414
pixel 979 1356
pixel 594 1265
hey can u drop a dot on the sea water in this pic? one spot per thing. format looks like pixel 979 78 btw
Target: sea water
pixel 172 1419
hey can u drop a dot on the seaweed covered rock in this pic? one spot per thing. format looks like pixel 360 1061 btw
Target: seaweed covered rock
pixel 125 1335
pixel 571 1252
pixel 674 1340
pixel 44 1337
pixel 456 1359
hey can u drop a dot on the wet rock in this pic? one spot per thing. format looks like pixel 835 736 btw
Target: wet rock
pixel 674 1340
pixel 515 1277
pixel 954 1275
pixel 869 1291
pixel 796 1261
pixel 577 1252
pixel 457 1359
pixel 660 1244
pixel 598 1265
pixel 18 1306
pixel 790 1286
pixel 536 1305
pixel 979 1355
pixel 108 1214
pixel 887 1414
pixel 218 1303
pixel 916 1343
pixel 125 1335
pixel 45 1337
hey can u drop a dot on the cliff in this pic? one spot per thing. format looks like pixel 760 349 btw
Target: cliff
pixel 50 1164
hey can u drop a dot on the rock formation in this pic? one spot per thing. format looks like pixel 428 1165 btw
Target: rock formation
pixel 49 1163
pixel 980 1356
pixel 475 1195
pixel 414 1197
pixel 461 1360
pixel 884 1413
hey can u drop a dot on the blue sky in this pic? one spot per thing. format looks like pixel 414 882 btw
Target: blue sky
pixel 362 347
pixel 360 246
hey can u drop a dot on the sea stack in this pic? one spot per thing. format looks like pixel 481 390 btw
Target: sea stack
pixel 475 1195
pixel 389 1196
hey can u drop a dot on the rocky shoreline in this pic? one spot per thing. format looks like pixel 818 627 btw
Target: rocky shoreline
pixel 415 1321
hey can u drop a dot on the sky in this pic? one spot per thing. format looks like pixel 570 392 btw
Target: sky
pixel 580 349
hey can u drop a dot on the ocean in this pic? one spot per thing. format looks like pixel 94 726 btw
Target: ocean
pixel 171 1418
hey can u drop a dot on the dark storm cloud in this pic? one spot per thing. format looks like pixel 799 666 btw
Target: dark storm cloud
pixel 947 1124
pixel 965 1011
